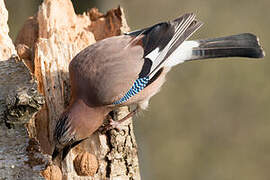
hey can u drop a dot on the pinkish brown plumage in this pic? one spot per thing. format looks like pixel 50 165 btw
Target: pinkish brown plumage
pixel 131 68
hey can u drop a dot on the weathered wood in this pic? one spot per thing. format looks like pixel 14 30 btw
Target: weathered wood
pixel 46 44
pixel 19 101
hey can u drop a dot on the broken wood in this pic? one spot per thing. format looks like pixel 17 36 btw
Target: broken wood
pixel 36 91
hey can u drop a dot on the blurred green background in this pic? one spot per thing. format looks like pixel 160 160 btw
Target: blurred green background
pixel 212 119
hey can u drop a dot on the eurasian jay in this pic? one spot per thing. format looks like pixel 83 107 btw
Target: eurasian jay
pixel 130 69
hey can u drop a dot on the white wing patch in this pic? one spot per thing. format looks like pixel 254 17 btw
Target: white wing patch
pixel 153 54
pixel 182 53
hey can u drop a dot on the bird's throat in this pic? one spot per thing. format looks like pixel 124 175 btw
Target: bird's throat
pixel 85 120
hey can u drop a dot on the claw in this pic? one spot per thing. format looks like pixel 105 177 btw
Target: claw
pixel 117 124
pixel 112 125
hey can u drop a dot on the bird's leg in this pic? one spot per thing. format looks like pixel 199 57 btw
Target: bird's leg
pixel 115 124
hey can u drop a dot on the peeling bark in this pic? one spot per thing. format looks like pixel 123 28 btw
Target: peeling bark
pixel 19 101
pixel 35 90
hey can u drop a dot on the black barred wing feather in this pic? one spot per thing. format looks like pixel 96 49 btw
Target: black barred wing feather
pixel 161 40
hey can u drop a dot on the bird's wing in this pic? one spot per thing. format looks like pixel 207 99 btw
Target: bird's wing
pixel 161 40
pixel 158 43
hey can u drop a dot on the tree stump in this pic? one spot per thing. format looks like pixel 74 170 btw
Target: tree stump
pixel 34 90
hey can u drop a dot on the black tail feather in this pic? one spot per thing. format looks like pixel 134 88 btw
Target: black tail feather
pixel 241 45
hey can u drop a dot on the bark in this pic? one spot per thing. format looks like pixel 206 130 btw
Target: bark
pixel 19 101
pixel 35 90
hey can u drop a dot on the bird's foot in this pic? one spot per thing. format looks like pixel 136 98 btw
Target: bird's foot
pixel 117 124
pixel 113 125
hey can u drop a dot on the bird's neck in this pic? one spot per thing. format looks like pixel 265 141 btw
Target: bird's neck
pixel 85 120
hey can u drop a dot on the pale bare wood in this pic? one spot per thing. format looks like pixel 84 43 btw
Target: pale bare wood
pixel 6 45
pixel 51 39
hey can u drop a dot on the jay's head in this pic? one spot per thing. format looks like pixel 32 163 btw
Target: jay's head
pixel 64 136
pixel 78 122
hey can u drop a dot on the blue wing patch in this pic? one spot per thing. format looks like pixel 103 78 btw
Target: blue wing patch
pixel 137 86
